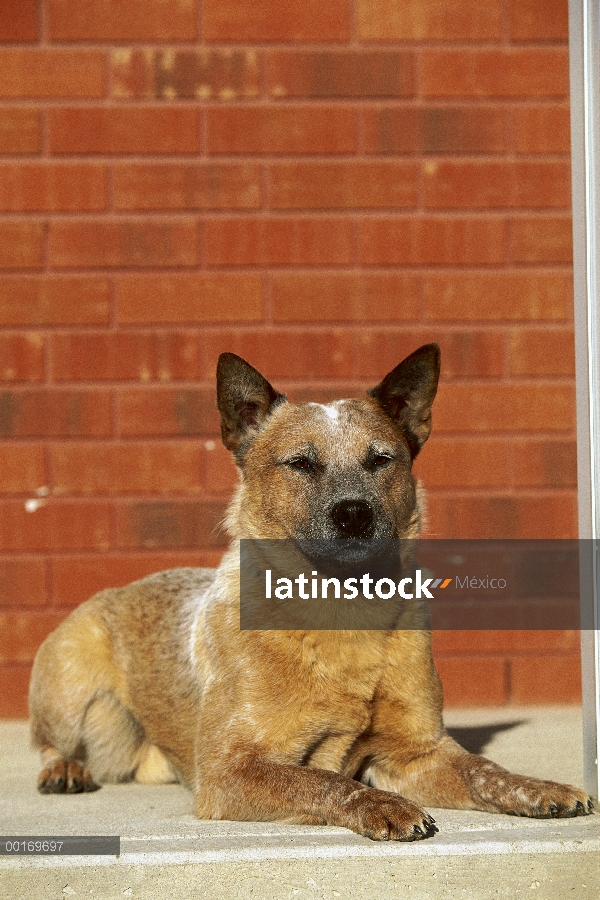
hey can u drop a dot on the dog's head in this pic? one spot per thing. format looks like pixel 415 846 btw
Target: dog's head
pixel 315 472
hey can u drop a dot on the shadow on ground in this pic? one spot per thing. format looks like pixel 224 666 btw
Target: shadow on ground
pixel 476 739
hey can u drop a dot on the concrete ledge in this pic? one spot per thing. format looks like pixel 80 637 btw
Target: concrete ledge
pixel 167 852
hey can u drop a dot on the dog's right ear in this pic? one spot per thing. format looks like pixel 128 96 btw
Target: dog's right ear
pixel 245 400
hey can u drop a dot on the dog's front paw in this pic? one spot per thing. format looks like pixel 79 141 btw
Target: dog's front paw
pixel 533 797
pixel 65 776
pixel 383 816
pixel 549 800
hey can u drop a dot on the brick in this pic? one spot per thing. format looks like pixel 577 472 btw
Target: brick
pixel 30 300
pixel 345 297
pixel 542 129
pixel 14 686
pixel 435 129
pixel 472 353
pixel 51 74
pixel 281 129
pixel 503 517
pixel 149 73
pixel 126 355
pixel 541 352
pixel 531 22
pixel 278 241
pixel 22 581
pixel 364 355
pixel 151 468
pixel 187 186
pixel 75 578
pixel 20 22
pixel 313 353
pixel 49 412
pixel 21 357
pixel 545 678
pixel 122 20
pixel 21 245
pixel 22 468
pixel 536 239
pixel 345 73
pixel 297 20
pixel 505 641
pixel 167 412
pixel 504 185
pixel 511 72
pixel 369 353
pixel 164 524
pixel 415 20
pixel 189 298
pixel 55 526
pixel 542 463
pixel 221 474
pixel 121 244
pixel 109 130
pixel 459 462
pixel 478 681
pixel 498 296
pixel 431 241
pixel 287 353
pixel 463 407
pixel 21 634
pixel 344 185
pixel 29 187
pixel 20 130
pixel 360 356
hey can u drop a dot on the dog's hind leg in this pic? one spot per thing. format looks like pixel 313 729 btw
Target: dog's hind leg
pixel 85 732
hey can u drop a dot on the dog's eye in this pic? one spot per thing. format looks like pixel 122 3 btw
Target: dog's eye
pixel 380 461
pixel 303 463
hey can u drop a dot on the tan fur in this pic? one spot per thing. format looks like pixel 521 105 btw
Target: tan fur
pixel 155 681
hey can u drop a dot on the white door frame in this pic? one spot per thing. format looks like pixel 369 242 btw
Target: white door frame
pixel 584 51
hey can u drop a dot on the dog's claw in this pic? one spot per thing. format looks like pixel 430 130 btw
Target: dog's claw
pixel 66 777
pixel 580 809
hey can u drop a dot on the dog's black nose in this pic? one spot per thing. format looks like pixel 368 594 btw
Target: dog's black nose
pixel 353 518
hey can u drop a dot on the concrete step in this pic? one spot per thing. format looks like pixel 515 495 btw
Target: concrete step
pixel 167 853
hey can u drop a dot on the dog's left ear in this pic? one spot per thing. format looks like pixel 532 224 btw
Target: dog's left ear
pixel 406 394
pixel 245 400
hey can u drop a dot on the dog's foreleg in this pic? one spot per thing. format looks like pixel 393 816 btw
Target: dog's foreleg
pixel 449 776
pixel 252 786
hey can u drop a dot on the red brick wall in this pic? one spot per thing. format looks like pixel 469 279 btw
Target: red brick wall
pixel 319 187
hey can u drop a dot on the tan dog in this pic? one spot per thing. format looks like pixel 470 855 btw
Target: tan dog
pixel 157 682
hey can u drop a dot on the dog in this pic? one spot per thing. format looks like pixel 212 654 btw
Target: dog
pixel 157 682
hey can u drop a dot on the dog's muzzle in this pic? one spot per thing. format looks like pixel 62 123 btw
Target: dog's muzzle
pixel 354 519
